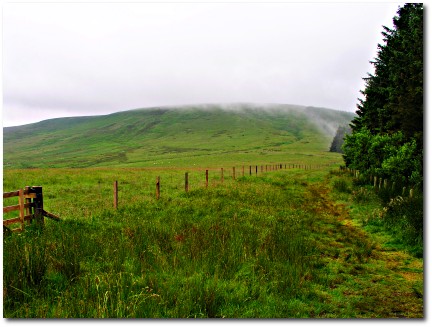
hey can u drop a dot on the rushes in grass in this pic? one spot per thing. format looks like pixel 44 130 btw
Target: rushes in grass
pixel 234 252
pixel 342 184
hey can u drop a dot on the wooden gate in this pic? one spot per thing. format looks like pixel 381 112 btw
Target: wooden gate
pixel 30 207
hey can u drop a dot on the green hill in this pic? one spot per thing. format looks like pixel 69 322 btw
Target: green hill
pixel 200 135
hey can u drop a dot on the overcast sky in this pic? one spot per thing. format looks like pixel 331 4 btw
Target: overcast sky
pixel 75 59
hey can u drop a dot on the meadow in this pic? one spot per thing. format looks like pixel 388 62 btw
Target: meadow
pixel 303 241
pixel 287 243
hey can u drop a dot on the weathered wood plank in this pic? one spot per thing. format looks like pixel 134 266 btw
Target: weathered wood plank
pixel 11 208
pixel 10 194
pixel 17 207
pixel 16 220
pixel 30 196
pixel 51 215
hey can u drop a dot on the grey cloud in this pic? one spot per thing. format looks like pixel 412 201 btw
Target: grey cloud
pixel 83 59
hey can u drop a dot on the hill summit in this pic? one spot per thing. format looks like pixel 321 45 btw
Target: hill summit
pixel 184 136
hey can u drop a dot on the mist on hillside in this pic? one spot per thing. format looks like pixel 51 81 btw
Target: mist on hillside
pixel 325 119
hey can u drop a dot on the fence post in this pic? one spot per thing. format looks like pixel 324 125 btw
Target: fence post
pixel 38 201
pixel 21 205
pixel 256 170
pixel 233 173
pixel 186 182
pixel 243 172
pixel 28 211
pixel 157 188
pixel 206 175
pixel 115 194
pixel 222 176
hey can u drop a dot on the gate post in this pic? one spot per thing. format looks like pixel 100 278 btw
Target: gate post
pixel 38 205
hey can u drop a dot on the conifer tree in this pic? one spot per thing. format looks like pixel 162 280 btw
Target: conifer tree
pixel 393 98
pixel 338 140
pixel 393 95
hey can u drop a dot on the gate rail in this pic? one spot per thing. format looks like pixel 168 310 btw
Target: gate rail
pixel 30 207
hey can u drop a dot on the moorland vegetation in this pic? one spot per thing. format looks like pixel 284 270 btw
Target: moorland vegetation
pixel 307 240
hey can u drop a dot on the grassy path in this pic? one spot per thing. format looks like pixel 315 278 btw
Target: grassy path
pixel 365 274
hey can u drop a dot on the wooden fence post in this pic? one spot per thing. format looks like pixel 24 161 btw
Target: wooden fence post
pixel 21 207
pixel 38 202
pixel 222 175
pixel 206 175
pixel 256 170
pixel 28 211
pixel 157 188
pixel 233 173
pixel 250 170
pixel 186 182
pixel 115 194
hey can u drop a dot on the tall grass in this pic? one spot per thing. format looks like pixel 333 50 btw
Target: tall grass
pixel 263 246
pixel 400 213
pixel 238 249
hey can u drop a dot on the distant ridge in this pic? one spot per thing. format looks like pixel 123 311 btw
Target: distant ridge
pixel 146 136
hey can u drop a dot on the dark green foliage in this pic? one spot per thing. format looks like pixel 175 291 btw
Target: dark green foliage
pixel 388 132
pixel 387 139
pixel 338 140
pixel 384 155
pixel 394 93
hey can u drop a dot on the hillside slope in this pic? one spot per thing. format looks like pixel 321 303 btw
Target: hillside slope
pixel 201 135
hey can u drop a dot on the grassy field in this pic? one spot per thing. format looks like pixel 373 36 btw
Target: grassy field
pixel 289 243
pixel 177 137
pixel 286 243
